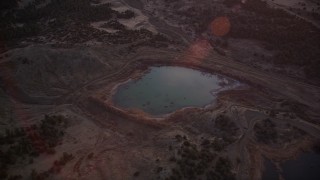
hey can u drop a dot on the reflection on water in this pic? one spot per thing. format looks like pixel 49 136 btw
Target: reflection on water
pixel 168 88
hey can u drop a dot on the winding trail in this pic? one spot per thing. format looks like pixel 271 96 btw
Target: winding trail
pixel 160 25
pixel 283 7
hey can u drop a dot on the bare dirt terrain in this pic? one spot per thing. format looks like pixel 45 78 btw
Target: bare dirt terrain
pixel 58 121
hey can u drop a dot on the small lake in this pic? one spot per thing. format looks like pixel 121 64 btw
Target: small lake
pixel 165 89
pixel 306 166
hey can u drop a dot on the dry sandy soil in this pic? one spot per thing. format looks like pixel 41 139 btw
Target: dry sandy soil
pixel 299 8
pixel 112 143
